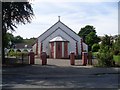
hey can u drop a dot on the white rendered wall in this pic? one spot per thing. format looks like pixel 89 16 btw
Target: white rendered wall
pixel 34 48
pixel 72 42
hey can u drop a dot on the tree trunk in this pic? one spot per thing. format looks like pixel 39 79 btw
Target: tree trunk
pixel 3 47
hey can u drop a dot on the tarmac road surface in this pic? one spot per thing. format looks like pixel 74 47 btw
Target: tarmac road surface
pixel 56 76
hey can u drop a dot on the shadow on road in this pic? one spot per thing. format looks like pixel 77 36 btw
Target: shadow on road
pixel 52 76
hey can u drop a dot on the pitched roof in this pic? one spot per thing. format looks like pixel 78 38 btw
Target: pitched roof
pixel 56 30
pixel 48 29
pixel 46 35
pixel 22 45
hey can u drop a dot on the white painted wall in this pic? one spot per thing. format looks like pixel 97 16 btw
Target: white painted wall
pixel 85 47
pixel 34 48
pixel 46 47
pixel 71 44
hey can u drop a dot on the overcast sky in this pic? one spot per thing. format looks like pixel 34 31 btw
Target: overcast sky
pixel 76 14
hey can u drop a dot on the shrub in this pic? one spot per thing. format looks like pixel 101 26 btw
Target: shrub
pixel 116 52
pixel 105 57
pixel 21 55
pixel 94 54
pixel 95 47
pixel 11 52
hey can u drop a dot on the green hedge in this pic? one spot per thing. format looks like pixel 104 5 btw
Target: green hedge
pixel 116 58
pixel 94 54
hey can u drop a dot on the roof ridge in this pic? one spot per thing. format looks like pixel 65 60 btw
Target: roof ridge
pixel 48 29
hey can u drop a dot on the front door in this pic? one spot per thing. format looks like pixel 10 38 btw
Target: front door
pixel 58 50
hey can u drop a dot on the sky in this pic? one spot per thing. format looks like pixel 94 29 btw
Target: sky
pixel 76 14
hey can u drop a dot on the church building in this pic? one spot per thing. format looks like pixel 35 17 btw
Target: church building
pixel 59 41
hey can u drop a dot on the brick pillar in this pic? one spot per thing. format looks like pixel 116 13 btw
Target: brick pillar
pixel 76 50
pixel 84 58
pixel 72 58
pixel 90 58
pixel 32 57
pixel 44 58
pixel 37 47
pixel 41 46
pixel 81 45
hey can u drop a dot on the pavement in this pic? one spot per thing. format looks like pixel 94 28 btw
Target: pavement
pixel 60 74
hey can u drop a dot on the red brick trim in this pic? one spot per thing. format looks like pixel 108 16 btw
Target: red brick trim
pixel 65 49
pixel 76 49
pixel 37 47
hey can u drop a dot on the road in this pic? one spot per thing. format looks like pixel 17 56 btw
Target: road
pixel 56 76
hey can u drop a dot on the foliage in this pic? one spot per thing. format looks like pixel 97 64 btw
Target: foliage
pixel 15 13
pixel 85 31
pixel 18 39
pixel 11 38
pixel 105 56
pixel 107 40
pixel 17 53
pixel 91 39
pixel 29 41
pixel 11 52
pixel 109 48
pixel 116 58
pixel 8 37
pixel 94 54
pixel 95 47
pixel 116 44
pixel 116 52
pixel 88 33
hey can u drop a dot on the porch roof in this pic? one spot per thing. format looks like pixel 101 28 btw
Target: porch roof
pixel 58 38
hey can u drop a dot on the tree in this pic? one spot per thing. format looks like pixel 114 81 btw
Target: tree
pixel 95 47
pixel 91 39
pixel 88 34
pixel 85 31
pixel 107 40
pixel 116 45
pixel 18 39
pixel 14 13
pixel 8 38
pixel 105 54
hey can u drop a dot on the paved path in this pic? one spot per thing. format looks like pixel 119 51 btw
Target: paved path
pixel 61 62
pixel 56 76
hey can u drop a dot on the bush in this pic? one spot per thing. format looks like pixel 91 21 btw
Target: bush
pixel 116 58
pixel 105 57
pixel 95 47
pixel 11 52
pixel 19 54
pixel 116 52
pixel 94 54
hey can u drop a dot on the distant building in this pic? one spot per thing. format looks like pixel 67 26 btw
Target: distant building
pixel 22 46
pixel 58 41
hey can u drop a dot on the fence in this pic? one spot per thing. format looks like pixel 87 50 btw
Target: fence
pixel 19 58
